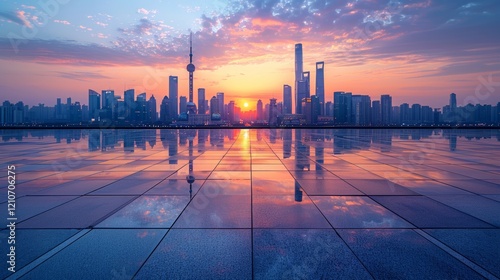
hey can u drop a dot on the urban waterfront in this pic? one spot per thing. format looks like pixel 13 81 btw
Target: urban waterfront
pixel 262 203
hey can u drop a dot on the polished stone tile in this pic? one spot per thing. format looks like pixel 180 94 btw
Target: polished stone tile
pixel 201 254
pixel 328 187
pixel 474 205
pixel 424 212
pixel 357 212
pixel 380 187
pixel 474 186
pixel 79 213
pixel 175 187
pixel 286 211
pixel 209 210
pixel 76 187
pixel 127 187
pixel 101 254
pixel 31 244
pixel 403 254
pixel 227 187
pixel 30 206
pixel 479 245
pixel 147 212
pixel 303 254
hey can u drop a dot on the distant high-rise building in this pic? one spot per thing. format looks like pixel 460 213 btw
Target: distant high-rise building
pixel 416 113
pixel 108 102
pixel 165 110
pixel 220 99
pixel 94 105
pixel 361 109
pixel 201 101
pixel 273 112
pixel 395 116
pixel 453 102
pixel 152 115
pixel 376 113
pixel 128 98
pixel 298 74
pixel 183 104
pixel 320 84
pixel 260 110
pixel 427 115
pixel 329 109
pixel 173 96
pixel 214 105
pixel 315 109
pixel 303 90
pixel 385 109
pixel 342 104
pixel 404 113
pixel 141 108
pixel 306 109
pixel 287 99
pixel 231 111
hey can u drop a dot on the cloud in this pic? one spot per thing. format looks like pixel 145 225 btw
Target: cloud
pixel 65 22
pixel 146 12
pixel 81 75
pixel 343 33
pixel 18 17
pixel 67 52
pixel 28 7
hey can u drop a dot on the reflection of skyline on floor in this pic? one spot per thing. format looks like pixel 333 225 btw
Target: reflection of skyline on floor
pixel 262 205
pixel 342 140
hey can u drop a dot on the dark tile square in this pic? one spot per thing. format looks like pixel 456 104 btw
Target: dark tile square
pixel 201 254
pixel 427 213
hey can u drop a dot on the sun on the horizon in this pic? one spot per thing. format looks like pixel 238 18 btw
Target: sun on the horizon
pixel 245 105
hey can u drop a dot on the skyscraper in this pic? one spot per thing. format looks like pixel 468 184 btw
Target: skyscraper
pixel 376 118
pixel 231 111
pixel 385 109
pixel 173 96
pixel 94 105
pixel 298 74
pixel 190 106
pixel 151 108
pixel 141 108
pixel 128 98
pixel 453 102
pixel 220 99
pixel 165 110
pixel 287 99
pixel 303 90
pixel 320 84
pixel 108 100
pixel 361 105
pixel 342 104
pixel 214 105
pixel 182 104
pixel 260 110
pixel 273 112
pixel 201 101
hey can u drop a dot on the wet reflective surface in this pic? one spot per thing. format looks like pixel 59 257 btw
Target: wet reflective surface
pixel 261 204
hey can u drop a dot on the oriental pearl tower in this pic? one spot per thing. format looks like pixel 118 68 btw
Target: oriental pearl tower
pixel 191 107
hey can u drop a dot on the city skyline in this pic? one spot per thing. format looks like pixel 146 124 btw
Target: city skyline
pixel 413 51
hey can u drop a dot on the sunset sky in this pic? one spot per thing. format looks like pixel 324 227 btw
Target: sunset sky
pixel 419 51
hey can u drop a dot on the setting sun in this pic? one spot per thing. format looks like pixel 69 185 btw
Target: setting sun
pixel 245 105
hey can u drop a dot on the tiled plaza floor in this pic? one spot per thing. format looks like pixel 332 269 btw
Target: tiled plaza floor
pixel 265 204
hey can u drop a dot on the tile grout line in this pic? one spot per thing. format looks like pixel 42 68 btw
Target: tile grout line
pixel 48 255
pixel 456 255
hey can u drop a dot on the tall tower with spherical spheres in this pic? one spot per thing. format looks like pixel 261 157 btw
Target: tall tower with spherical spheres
pixel 191 107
